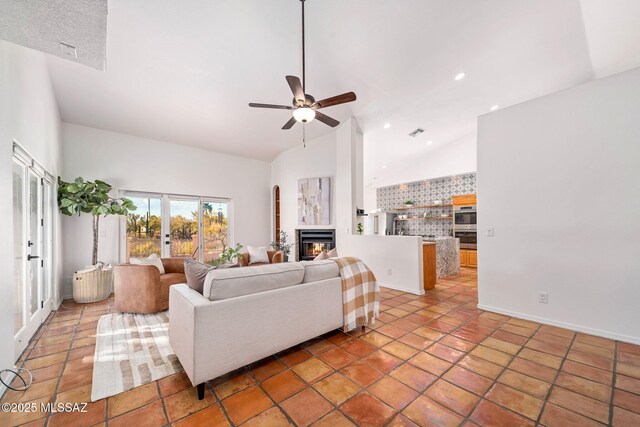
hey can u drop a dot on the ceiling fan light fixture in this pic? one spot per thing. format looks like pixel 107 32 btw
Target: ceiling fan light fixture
pixel 304 114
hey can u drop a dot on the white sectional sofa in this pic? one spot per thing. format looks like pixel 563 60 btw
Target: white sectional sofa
pixel 246 314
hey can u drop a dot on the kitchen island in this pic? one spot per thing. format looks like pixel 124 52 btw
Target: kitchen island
pixel 440 257
pixel 398 261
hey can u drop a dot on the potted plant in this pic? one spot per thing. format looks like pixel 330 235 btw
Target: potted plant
pixel 282 245
pixel 360 228
pixel 409 203
pixel 78 197
pixel 229 256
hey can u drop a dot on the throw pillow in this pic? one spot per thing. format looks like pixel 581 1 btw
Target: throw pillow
pixel 258 255
pixel 152 259
pixel 333 253
pixel 321 256
pixel 196 273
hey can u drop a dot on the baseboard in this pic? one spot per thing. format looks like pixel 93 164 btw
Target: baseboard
pixel 7 380
pixel 573 327
pixel 398 288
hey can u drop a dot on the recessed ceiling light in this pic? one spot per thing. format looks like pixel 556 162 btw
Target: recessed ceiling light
pixel 460 76
pixel 387 125
pixel 384 166
pixel 495 107
pixel 429 142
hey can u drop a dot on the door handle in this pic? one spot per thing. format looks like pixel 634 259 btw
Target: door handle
pixel 29 257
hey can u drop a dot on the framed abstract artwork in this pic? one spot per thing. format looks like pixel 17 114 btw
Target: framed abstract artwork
pixel 313 201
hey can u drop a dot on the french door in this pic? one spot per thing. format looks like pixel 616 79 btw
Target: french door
pixel 177 226
pixel 32 248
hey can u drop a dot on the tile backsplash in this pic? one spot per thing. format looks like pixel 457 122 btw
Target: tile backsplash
pixel 424 193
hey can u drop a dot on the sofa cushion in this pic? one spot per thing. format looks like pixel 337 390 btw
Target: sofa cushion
pixel 319 270
pixel 234 282
pixel 166 280
pixel 152 259
pixel 257 255
pixel 321 256
pixel 196 272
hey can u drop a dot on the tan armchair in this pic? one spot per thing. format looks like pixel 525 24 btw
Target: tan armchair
pixel 274 258
pixel 142 289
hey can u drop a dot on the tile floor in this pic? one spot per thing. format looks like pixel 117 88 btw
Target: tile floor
pixel 431 360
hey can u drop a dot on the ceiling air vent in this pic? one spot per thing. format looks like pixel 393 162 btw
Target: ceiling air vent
pixel 416 132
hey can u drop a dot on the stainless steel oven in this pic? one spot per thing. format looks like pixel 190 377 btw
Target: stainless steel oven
pixel 464 218
pixel 468 238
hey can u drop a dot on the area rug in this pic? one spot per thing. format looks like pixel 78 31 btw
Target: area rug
pixel 131 350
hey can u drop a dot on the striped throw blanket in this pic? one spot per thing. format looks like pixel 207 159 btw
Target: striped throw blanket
pixel 360 293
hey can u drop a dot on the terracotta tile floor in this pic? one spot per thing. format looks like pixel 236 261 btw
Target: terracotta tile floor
pixel 431 360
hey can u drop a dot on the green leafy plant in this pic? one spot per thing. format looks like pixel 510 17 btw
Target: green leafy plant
pixel 282 245
pixel 80 196
pixel 231 255
pixel 360 228
pixel 409 202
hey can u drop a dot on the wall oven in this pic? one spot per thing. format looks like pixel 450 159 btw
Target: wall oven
pixel 464 217
pixel 468 238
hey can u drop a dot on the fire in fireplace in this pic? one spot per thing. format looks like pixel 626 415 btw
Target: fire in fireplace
pixel 310 243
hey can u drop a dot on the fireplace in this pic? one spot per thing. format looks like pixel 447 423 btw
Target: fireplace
pixel 310 243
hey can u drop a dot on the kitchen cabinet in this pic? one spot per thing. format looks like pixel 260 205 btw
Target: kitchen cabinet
pixel 464 199
pixel 468 258
pixel 429 265
pixel 473 259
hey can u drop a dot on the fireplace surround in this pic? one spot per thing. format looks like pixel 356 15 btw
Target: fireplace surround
pixel 310 243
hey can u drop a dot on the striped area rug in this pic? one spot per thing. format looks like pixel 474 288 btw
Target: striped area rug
pixel 131 350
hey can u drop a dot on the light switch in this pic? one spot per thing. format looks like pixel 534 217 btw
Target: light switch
pixel 490 232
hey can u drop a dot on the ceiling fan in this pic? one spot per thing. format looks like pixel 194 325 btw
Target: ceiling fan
pixel 304 106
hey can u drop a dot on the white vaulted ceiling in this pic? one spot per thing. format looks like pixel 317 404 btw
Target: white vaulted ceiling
pixel 185 71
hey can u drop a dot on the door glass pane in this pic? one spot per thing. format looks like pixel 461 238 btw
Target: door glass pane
pixel 18 247
pixel 184 228
pixel 215 224
pixel 144 235
pixel 34 242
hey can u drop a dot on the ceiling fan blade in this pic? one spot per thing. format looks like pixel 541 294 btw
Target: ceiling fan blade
pixel 296 88
pixel 280 107
pixel 335 100
pixel 290 123
pixel 326 119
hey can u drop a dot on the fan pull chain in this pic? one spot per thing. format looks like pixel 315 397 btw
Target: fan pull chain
pixel 304 136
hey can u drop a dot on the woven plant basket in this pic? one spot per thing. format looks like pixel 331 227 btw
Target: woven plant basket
pixel 92 286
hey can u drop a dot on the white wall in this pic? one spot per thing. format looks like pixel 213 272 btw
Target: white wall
pixel 558 180
pixel 137 164
pixel 28 114
pixel 316 160
pixel 454 158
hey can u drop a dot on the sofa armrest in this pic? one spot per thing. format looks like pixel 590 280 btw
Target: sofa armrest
pixel 173 265
pixel 244 259
pixel 137 288
pixel 183 303
pixel 277 257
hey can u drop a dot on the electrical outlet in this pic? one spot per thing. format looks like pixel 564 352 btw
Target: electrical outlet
pixel 389 272
pixel 490 232
pixel 543 298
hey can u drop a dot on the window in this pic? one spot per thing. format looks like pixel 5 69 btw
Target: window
pixel 144 227
pixel 177 226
